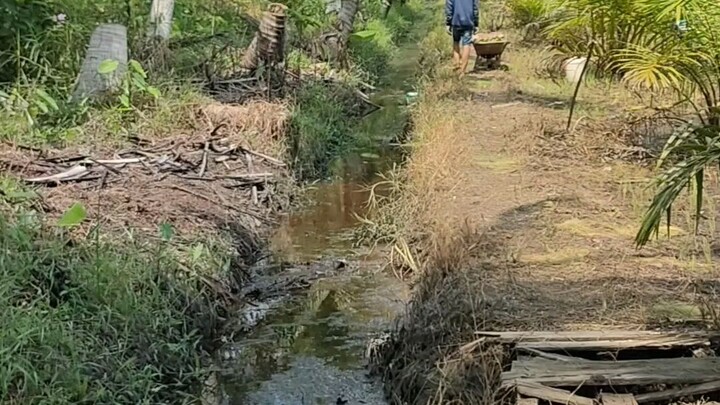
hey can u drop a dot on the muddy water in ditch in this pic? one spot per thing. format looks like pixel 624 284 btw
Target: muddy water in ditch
pixel 310 348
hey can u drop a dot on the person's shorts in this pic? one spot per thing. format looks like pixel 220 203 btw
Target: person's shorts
pixel 463 35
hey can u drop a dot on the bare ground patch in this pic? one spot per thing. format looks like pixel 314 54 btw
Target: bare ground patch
pixel 220 177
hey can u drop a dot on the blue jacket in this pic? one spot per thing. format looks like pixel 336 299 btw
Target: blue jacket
pixel 462 13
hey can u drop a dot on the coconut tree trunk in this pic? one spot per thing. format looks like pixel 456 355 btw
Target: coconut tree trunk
pixel 108 42
pixel 161 14
pixel 346 19
pixel 332 45
pixel 269 41
pixel 251 57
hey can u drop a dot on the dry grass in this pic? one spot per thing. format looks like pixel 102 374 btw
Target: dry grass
pixel 260 121
pixel 412 214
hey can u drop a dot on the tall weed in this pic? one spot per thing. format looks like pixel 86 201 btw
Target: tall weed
pixel 372 55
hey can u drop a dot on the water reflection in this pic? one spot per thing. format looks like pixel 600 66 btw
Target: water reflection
pixel 331 324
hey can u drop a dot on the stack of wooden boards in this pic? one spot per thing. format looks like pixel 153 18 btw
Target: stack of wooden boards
pixel 558 366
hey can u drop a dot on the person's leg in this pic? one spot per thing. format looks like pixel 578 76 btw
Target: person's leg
pixel 466 43
pixel 457 57
pixel 456 34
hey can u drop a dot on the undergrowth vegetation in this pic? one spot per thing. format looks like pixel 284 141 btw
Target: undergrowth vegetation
pixel 98 321
pixel 123 317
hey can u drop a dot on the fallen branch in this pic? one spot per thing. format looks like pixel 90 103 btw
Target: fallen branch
pixel 203 165
pixel 68 174
pixel 105 165
pixel 226 205
pixel 249 176
pixel 267 158
pixel 116 161
pixel 248 159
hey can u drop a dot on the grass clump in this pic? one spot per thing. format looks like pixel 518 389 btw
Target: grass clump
pixel 94 321
pixel 372 55
pixel 321 128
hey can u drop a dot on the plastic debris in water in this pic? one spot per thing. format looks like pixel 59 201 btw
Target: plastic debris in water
pixel 411 96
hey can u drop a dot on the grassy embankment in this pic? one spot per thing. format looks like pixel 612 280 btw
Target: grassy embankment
pixel 120 299
pixel 503 220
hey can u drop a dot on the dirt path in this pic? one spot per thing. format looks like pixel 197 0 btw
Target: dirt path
pixel 558 214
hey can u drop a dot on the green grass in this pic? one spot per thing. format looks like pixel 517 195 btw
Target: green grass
pixel 372 55
pixel 96 321
pixel 322 128
pixel 326 119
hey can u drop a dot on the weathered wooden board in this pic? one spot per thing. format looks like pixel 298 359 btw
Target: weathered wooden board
pixel 617 399
pixel 587 335
pixel 675 393
pixel 601 340
pixel 616 373
pixel 551 394
pixel 549 356
pixel 527 401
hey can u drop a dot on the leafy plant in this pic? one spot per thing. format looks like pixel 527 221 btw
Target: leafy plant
pixel 688 62
pixel 74 216
pixel 31 105
pixel 526 12
pixel 134 85
pixel 611 26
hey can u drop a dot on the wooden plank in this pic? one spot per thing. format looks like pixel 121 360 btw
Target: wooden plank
pixel 667 395
pixel 551 394
pixel 618 373
pixel 527 401
pixel 617 399
pixel 600 340
pixel 587 335
pixel 550 356
pixel 609 345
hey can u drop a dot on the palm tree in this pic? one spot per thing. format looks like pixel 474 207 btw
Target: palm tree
pixel 688 62
pixel 269 42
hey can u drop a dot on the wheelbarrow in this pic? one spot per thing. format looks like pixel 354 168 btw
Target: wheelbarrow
pixel 488 54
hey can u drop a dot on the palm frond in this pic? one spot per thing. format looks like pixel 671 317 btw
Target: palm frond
pixel 666 8
pixel 703 150
pixel 644 67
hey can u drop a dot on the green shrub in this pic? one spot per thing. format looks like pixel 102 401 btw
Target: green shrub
pixel 526 12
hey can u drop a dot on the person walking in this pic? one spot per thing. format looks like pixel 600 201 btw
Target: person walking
pixel 462 19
